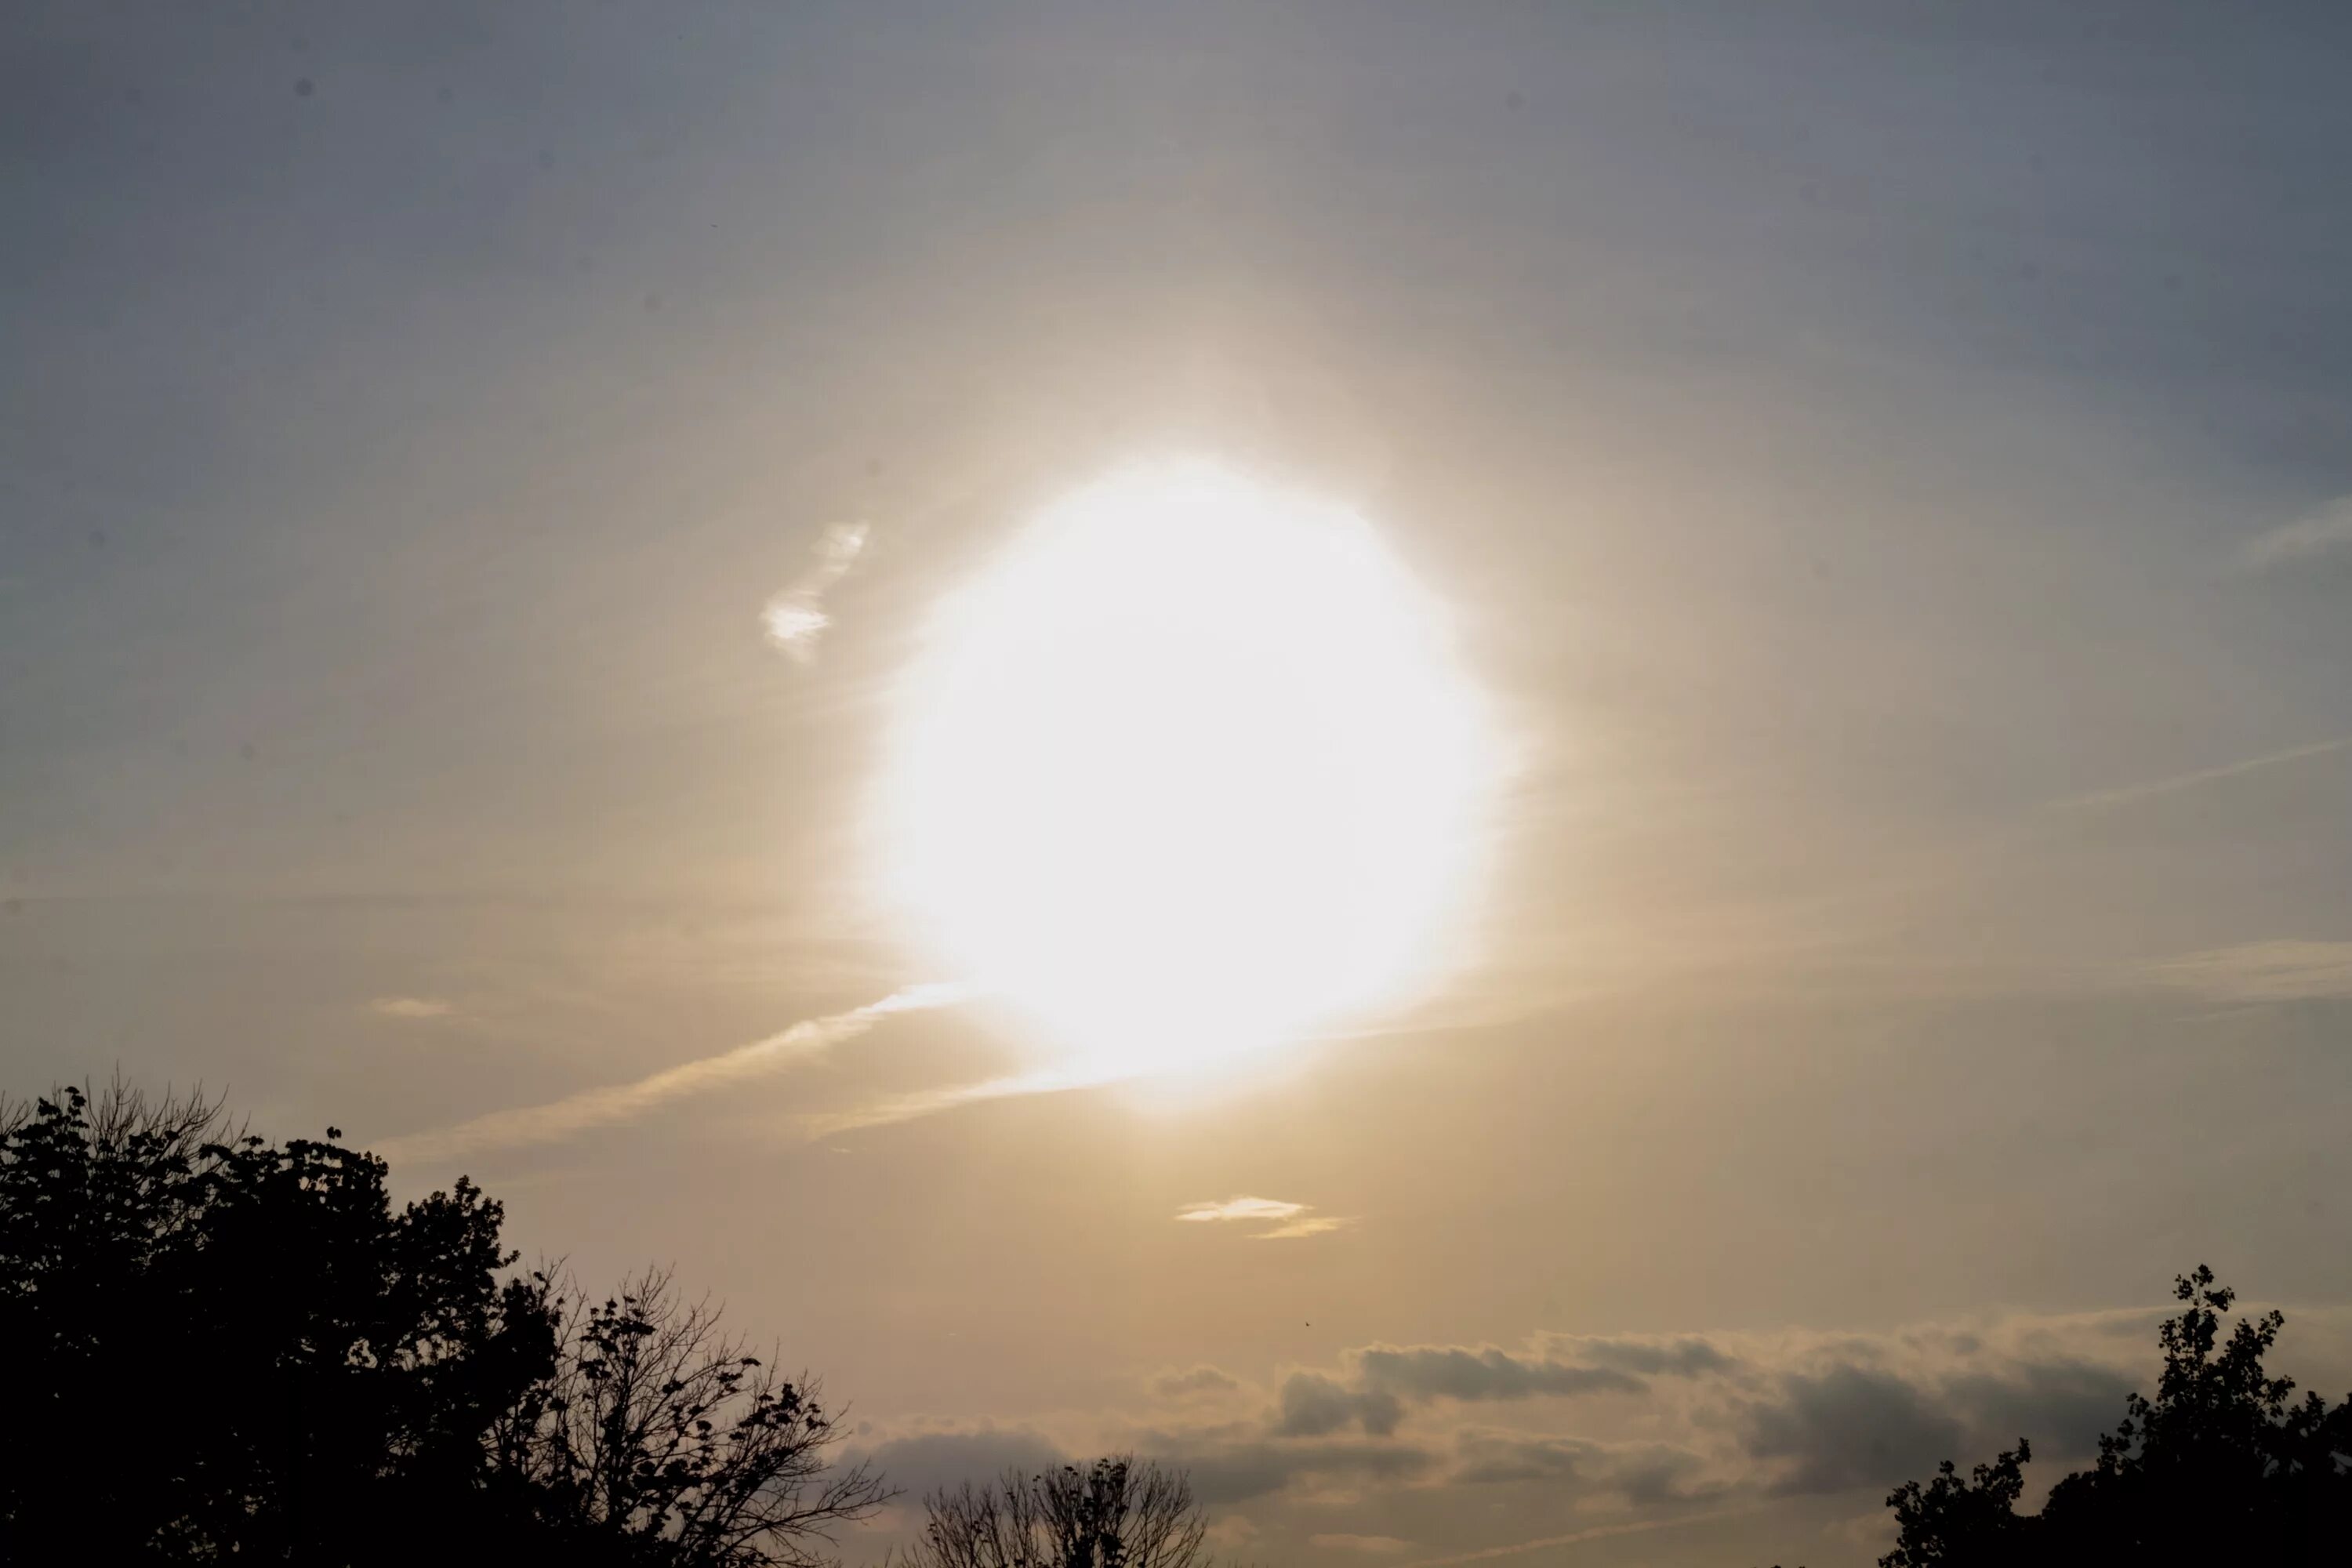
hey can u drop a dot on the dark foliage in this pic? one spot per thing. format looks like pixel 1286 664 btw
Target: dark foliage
pixel 655 1433
pixel 2221 1466
pixel 225 1349
pixel 1114 1513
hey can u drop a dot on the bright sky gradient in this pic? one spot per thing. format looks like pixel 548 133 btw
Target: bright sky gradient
pixel 472 476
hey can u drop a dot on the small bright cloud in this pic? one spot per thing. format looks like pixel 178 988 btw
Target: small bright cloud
pixel 795 625
pixel 408 1008
pixel 2329 527
pixel 1232 1533
pixel 795 618
pixel 1242 1209
pixel 1291 1222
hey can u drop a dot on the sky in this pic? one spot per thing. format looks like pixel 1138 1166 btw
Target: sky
pixel 1887 470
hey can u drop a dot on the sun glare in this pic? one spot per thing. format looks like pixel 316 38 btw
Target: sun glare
pixel 1189 772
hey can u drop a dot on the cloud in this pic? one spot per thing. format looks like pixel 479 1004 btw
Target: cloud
pixel 1681 1356
pixel 924 1463
pixel 1454 1372
pixel 796 619
pixel 1768 1414
pixel 913 1107
pixel 1225 1470
pixel 618 1102
pixel 1240 1208
pixel 409 1007
pixel 1297 1224
pixel 1377 1381
pixel 1377 1545
pixel 1502 1457
pixel 1574 1537
pixel 2173 783
pixel 1643 1473
pixel 2264 972
pixel 1314 1405
pixel 1193 1381
pixel 1232 1532
pixel 1299 1230
pixel 1851 1426
pixel 1847 1424
pixel 2327 529
pixel 1696 1427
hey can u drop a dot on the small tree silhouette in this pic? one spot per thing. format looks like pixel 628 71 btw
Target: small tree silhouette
pixel 1113 1514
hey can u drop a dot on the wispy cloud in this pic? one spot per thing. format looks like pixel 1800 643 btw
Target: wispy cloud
pixel 2265 972
pixel 1375 1545
pixel 409 1007
pixel 1291 1222
pixel 1242 1209
pixel 796 618
pixel 1596 1532
pixel 2175 783
pixel 2329 527
pixel 933 1101
pixel 1297 1229
pixel 620 1102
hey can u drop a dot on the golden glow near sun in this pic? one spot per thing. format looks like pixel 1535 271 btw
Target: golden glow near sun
pixel 1188 771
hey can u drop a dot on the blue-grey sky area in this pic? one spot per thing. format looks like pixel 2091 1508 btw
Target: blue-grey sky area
pixel 1890 471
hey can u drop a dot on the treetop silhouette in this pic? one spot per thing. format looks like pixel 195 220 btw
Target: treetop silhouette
pixel 224 1348
pixel 2221 1466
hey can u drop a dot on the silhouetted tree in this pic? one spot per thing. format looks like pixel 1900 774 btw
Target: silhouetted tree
pixel 224 1349
pixel 1114 1513
pixel 2220 1466
pixel 655 1430
pixel 1954 1521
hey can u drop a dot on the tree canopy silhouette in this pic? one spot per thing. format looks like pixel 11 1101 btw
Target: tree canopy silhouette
pixel 2221 1466
pixel 224 1348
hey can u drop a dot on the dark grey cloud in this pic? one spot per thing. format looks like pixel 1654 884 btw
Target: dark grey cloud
pixel 1452 1371
pixel 1850 1427
pixel 2061 1405
pixel 1642 1473
pixel 1490 1458
pixel 928 1462
pixel 1236 1471
pixel 1314 1405
pixel 1686 1356
pixel 1193 1380
pixel 1853 1426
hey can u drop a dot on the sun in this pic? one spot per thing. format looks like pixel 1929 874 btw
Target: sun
pixel 1189 772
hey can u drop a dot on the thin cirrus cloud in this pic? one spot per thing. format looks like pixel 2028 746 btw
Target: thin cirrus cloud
pixel 613 1103
pixel 2173 783
pixel 2283 970
pixel 2327 529
pixel 1290 1221
pixel 796 618
pixel 411 1007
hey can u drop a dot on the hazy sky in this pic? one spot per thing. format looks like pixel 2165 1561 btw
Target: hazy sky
pixel 1891 471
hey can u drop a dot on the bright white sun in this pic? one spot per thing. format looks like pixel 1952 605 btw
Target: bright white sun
pixel 1189 772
